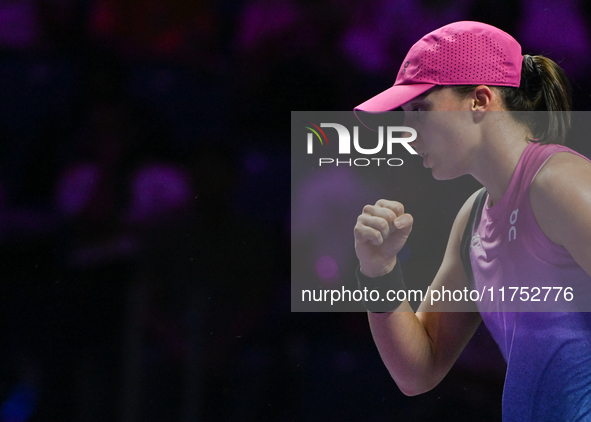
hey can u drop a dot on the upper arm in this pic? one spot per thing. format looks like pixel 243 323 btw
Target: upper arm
pixel 560 197
pixel 450 327
pixel 451 273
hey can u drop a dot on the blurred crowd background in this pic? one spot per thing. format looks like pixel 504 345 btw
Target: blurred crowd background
pixel 145 218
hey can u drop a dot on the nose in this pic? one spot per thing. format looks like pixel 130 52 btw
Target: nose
pixel 415 144
pixel 409 135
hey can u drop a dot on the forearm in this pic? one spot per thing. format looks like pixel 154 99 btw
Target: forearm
pixel 405 348
pixel 420 349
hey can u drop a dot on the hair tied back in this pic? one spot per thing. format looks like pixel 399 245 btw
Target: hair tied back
pixel 530 75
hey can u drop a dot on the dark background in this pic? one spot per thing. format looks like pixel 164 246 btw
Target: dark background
pixel 145 206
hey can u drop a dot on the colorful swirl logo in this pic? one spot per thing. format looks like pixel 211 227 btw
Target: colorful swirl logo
pixel 316 132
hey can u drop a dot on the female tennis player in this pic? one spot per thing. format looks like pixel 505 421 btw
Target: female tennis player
pixel 530 225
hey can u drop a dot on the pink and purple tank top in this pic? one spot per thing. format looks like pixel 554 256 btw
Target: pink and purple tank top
pixel 548 353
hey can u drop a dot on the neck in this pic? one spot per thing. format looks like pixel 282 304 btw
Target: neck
pixel 496 164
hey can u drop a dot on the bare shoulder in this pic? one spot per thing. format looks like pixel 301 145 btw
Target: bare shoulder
pixel 563 168
pixel 560 196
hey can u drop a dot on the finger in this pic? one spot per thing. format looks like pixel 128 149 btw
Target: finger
pixel 377 223
pixel 364 233
pixel 385 213
pixel 395 206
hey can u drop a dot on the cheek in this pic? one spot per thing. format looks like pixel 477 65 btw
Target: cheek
pixel 442 131
pixel 451 134
pixel 434 136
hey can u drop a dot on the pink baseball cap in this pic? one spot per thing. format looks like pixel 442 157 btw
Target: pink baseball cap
pixel 461 53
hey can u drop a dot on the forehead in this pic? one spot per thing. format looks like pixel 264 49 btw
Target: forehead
pixel 428 93
pixel 435 94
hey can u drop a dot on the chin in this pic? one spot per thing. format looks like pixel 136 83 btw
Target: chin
pixel 440 174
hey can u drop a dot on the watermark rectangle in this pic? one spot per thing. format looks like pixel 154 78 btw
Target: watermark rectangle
pixel 341 162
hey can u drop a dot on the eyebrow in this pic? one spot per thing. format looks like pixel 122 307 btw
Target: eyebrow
pixel 420 97
pixel 416 100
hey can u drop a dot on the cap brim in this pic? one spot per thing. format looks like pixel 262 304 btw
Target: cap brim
pixel 393 98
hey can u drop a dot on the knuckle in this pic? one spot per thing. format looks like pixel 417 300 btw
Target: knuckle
pixel 362 221
pixel 357 230
pixel 378 239
pixel 391 215
pixel 370 235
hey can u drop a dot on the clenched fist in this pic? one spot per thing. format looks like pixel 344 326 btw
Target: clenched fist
pixel 380 233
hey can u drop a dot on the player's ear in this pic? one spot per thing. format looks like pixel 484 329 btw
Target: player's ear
pixel 481 98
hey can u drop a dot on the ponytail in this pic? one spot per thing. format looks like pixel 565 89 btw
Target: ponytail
pixel 544 89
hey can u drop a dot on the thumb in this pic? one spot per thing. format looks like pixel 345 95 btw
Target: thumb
pixel 404 224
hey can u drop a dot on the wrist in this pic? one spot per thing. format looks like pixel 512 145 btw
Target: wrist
pixel 375 273
pixel 390 282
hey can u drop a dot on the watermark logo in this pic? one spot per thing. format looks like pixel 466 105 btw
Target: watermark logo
pixel 387 136
pixel 315 131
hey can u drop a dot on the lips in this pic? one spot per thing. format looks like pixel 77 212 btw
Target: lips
pixel 424 156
